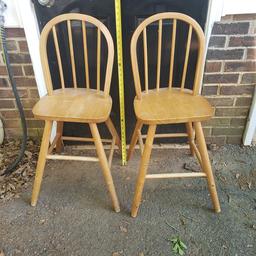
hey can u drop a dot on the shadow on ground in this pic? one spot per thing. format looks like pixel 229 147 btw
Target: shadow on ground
pixel 74 214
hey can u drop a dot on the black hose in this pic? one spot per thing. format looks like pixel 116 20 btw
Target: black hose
pixel 11 168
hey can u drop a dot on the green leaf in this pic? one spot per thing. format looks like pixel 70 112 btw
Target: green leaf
pixel 182 245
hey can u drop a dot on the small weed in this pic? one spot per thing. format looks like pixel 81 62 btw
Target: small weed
pixel 178 246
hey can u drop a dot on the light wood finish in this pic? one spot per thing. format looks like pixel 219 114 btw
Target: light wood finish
pixel 134 139
pixel 206 165
pixel 104 165
pixel 57 49
pixel 53 144
pixel 141 142
pixel 145 46
pixel 72 158
pixel 59 142
pixel 185 67
pixel 143 170
pixel 41 162
pixel 74 105
pixel 113 132
pixel 168 135
pixel 83 105
pixel 111 153
pixel 191 137
pixel 82 18
pixel 86 62
pixel 171 104
pixel 172 52
pixel 71 138
pixel 98 58
pixel 71 50
pixel 176 175
pixel 159 50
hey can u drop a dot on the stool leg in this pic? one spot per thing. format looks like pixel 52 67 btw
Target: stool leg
pixel 143 170
pixel 134 139
pixel 207 165
pixel 59 143
pixel 41 162
pixel 191 138
pixel 104 165
pixel 113 132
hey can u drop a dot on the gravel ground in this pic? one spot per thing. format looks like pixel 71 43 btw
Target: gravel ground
pixel 74 214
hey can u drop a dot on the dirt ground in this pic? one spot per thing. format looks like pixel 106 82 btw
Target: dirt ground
pixel 74 214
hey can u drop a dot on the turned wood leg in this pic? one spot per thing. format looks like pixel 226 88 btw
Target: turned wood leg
pixel 207 165
pixel 41 162
pixel 104 165
pixel 143 169
pixel 134 139
pixel 59 143
pixel 191 137
pixel 113 132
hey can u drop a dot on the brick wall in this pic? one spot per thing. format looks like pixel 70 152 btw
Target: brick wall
pixel 26 84
pixel 230 77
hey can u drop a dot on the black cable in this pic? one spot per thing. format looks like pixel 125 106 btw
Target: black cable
pixel 11 168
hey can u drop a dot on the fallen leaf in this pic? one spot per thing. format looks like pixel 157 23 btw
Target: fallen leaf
pixel 123 229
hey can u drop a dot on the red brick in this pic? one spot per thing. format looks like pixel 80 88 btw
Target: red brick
pixel 12 123
pixel 33 93
pixel 216 122
pixel 28 103
pixel 8 93
pixel 6 104
pixel 221 101
pixel 217 41
pixel 25 82
pixel 240 66
pixel 219 140
pixel 14 114
pixel 220 78
pixel 236 90
pixel 19 58
pixel 251 53
pixel 246 16
pixel 210 90
pixel 11 45
pixel 245 41
pixel 23 46
pixel 227 131
pixel 230 28
pixel 238 122
pixel 28 70
pixel 35 123
pixel 234 140
pixel 233 54
pixel 244 101
pixel 15 32
pixel 248 78
pixel 231 111
pixel 211 67
pixel 4 82
pixel 16 70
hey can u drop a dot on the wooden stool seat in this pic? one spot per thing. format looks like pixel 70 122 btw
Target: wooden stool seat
pixel 74 105
pixel 171 106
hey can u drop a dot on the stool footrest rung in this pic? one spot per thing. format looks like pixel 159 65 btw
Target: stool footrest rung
pixel 76 158
pixel 176 175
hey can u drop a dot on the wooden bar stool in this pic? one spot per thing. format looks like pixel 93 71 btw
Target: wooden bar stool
pixel 83 105
pixel 171 104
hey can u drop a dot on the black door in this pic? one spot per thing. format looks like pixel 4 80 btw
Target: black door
pixel 133 12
